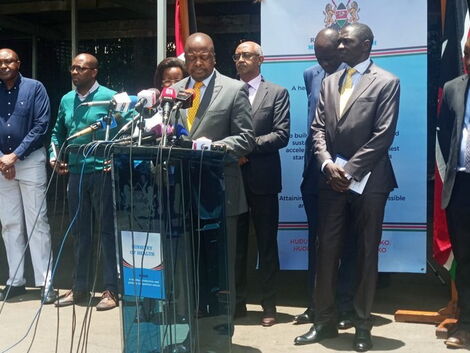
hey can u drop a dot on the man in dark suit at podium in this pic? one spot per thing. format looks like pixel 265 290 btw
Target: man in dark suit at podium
pixel 261 171
pixel 220 112
pixel 454 140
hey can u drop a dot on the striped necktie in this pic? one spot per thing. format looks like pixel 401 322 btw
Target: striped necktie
pixel 196 102
pixel 346 89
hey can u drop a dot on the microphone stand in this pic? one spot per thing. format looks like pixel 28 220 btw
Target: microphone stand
pixel 141 124
pixel 108 119
pixel 165 122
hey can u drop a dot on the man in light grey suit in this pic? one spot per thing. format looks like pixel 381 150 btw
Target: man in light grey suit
pixel 221 112
pixel 356 119
pixel 261 170
pixel 454 140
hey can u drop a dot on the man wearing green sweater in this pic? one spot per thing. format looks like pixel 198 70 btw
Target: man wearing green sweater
pixel 89 188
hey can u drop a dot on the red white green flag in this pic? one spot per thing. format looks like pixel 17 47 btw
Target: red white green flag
pixel 455 31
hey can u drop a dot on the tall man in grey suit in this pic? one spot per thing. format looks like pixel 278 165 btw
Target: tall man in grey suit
pixel 326 52
pixel 454 140
pixel 261 171
pixel 221 112
pixel 356 118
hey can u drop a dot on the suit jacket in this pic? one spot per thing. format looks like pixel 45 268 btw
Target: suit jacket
pixel 313 77
pixel 449 133
pixel 365 130
pixel 224 116
pixel 271 125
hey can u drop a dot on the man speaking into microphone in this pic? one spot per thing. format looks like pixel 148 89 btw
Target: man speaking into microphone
pixel 220 112
pixel 89 194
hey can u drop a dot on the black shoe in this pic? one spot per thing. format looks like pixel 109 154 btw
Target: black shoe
pixel 240 311
pixel 48 296
pixel 11 292
pixel 345 321
pixel 362 340
pixel 305 318
pixel 183 347
pixel 316 334
pixel 176 348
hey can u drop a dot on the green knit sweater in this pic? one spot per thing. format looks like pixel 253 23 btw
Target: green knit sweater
pixel 71 119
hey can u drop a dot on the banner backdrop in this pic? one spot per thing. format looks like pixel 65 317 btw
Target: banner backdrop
pixel 288 31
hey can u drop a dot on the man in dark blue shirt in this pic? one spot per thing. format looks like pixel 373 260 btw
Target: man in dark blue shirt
pixel 24 118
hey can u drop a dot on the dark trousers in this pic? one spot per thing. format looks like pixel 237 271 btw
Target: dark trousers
pixel 264 211
pixel 338 213
pixel 347 269
pixel 93 193
pixel 458 220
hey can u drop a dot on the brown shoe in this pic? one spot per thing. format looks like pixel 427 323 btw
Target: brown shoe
pixel 71 297
pixel 459 339
pixel 108 301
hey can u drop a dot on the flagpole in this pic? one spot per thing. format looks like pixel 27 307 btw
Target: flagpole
pixel 161 29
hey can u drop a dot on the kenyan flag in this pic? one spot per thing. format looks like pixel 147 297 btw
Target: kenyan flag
pixel 455 24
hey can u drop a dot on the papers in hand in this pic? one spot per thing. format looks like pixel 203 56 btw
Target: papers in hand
pixel 356 186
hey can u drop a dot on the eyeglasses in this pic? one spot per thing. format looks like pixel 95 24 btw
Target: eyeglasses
pixel 245 56
pixel 8 62
pixel 80 69
pixel 204 56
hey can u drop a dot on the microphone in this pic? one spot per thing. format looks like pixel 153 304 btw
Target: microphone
pixel 120 102
pixel 147 98
pixel 184 99
pixel 97 125
pixel 167 101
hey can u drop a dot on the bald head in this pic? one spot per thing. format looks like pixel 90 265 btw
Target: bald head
pixel 10 52
pixel 327 37
pixel 88 59
pixel 199 40
pixel 9 67
pixel 326 45
pixel 199 55
pixel 248 59
pixel 84 70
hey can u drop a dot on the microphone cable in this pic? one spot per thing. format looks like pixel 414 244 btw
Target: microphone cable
pixel 38 312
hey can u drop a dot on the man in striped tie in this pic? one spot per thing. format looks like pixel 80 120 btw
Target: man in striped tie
pixel 221 112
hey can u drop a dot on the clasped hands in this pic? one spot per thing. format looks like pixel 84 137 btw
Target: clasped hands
pixel 336 177
pixel 7 165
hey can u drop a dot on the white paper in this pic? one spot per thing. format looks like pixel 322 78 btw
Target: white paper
pixel 356 186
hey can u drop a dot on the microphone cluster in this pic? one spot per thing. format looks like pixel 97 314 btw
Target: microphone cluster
pixel 146 102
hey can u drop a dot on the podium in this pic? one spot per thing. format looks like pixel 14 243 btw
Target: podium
pixel 172 250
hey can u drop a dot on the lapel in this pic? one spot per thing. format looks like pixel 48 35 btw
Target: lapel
pixel 460 105
pixel 183 112
pixel 366 80
pixel 211 92
pixel 259 96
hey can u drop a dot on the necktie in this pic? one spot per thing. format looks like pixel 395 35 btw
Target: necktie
pixel 251 97
pixel 346 89
pixel 196 101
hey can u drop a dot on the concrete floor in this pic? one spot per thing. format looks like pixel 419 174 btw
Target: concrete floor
pixel 402 291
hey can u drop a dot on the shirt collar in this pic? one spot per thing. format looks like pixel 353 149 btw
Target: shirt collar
pixel 206 81
pixel 362 67
pixel 254 83
pixel 90 91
